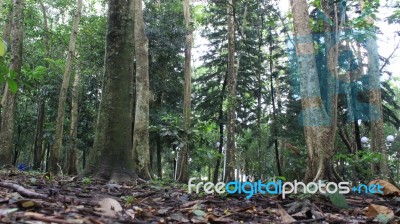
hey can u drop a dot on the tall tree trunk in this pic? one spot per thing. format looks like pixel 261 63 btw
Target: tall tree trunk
pixel 183 165
pixel 9 101
pixel 56 151
pixel 73 134
pixel 231 87
pixel 141 149
pixel 319 122
pixel 38 154
pixel 375 101
pixel 221 128
pixel 6 37
pixel 110 158
pixel 260 85
pixel 38 145
pixel 274 117
pixel 159 165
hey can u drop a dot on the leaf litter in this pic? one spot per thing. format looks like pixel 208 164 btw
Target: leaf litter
pixel 27 197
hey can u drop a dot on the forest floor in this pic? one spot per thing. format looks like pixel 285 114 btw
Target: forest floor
pixel 29 197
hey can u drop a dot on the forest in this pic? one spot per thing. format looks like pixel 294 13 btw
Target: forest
pixel 141 111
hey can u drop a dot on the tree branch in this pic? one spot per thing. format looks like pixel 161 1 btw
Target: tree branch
pixel 22 191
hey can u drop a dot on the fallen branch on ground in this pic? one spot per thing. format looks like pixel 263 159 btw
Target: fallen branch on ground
pixel 22 191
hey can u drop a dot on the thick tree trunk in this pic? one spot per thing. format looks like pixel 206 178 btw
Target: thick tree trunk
pixel 110 157
pixel 375 101
pixel 56 152
pixel 6 37
pixel 9 100
pixel 73 134
pixel 183 176
pixel 319 123
pixel 141 149
pixel 231 87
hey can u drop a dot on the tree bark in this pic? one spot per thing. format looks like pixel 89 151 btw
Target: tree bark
pixel 73 134
pixel 110 157
pixel 38 154
pixel 141 149
pixel 183 176
pixel 375 101
pixel 221 129
pixel 318 120
pixel 10 99
pixel 6 37
pixel 159 164
pixel 38 145
pixel 274 128
pixel 231 87
pixel 56 151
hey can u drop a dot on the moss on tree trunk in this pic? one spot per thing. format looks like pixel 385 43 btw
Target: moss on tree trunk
pixel 110 157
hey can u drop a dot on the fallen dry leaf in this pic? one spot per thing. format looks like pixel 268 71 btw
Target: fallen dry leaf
pixel 285 217
pixel 164 211
pixel 130 213
pixel 334 218
pixel 388 188
pixel 374 210
pixel 215 219
pixel 179 217
pixel 109 207
pixel 4 212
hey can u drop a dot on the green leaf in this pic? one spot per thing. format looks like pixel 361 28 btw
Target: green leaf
pixel 3 48
pixel 199 213
pixel 12 74
pixel 338 200
pixel 382 218
pixel 12 85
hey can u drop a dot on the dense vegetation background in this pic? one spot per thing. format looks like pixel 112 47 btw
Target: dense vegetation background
pixel 110 90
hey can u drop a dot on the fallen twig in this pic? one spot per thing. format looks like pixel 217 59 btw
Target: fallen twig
pixel 41 217
pixel 22 191
pixel 310 220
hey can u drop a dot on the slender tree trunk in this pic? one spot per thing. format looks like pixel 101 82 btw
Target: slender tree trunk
pixel 183 166
pixel 260 85
pixel 141 150
pixel 16 146
pixel 375 101
pixel 9 101
pixel 56 152
pixel 38 145
pixel 221 129
pixel 111 155
pixel 231 87
pixel 275 122
pixel 71 167
pixel 159 165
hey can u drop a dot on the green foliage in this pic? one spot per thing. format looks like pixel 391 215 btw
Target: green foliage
pixel 383 218
pixel 358 164
pixel 87 181
pixel 128 200
pixel 338 200
pixel 3 47
pixel 199 213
